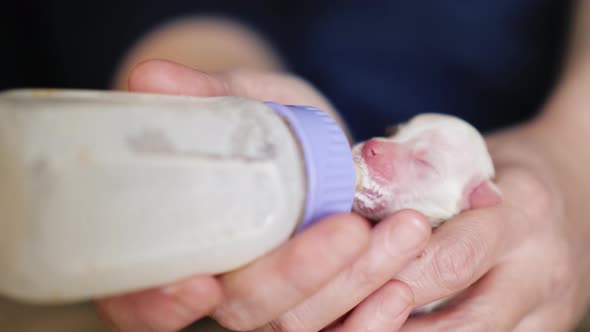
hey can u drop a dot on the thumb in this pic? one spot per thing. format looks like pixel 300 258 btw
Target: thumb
pixel 160 76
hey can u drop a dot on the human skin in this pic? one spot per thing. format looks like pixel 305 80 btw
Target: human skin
pixel 517 261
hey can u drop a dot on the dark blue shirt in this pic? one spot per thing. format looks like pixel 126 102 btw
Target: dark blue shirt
pixel 380 62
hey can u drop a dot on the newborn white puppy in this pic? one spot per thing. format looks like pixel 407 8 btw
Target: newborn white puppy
pixel 435 164
pixel 431 164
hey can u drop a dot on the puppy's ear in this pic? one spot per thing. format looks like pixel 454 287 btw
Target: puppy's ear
pixel 392 130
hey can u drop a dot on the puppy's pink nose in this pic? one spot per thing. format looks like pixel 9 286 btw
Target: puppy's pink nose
pixel 382 156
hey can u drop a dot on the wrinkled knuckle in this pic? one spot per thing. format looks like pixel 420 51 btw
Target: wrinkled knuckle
pixel 454 265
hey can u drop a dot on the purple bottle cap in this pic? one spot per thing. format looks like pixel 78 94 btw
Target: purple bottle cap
pixel 328 161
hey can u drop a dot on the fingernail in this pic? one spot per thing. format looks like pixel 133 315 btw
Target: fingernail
pixel 407 233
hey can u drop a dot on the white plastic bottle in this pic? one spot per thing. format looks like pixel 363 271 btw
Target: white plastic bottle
pixel 107 192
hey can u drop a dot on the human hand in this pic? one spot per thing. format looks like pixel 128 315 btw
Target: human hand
pixel 516 261
pixel 329 268
pixel 504 244
pixel 512 261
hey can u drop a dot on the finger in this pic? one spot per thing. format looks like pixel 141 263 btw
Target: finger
pixel 498 302
pixel 385 310
pixel 459 253
pixel 395 241
pixel 486 194
pixel 271 285
pixel 162 310
pixel 159 76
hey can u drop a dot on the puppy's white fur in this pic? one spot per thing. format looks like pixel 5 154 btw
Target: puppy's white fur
pixel 459 160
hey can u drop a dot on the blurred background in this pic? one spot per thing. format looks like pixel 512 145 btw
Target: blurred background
pixel 498 57
pixel 490 62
